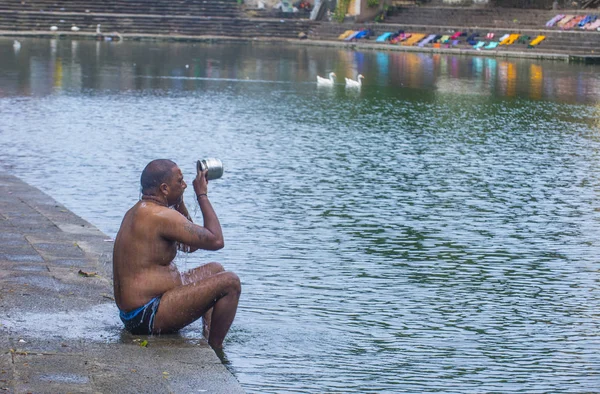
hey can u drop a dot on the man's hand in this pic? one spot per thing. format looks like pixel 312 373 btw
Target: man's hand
pixel 183 247
pixel 201 183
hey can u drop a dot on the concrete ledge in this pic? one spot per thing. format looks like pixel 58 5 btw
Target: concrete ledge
pixel 321 43
pixel 59 330
pixel 585 59
pixel 449 51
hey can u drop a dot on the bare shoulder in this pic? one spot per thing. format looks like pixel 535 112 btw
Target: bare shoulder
pixel 147 217
pixel 168 215
pixel 166 219
pixel 143 210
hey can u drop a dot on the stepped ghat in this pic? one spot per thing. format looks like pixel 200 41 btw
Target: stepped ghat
pixel 442 20
pixel 227 19
pixel 483 20
pixel 139 18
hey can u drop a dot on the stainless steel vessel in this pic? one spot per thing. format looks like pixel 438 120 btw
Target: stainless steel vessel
pixel 214 167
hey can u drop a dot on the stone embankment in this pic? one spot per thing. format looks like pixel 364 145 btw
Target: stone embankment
pixel 226 19
pixel 59 327
pixel 499 21
pixel 154 18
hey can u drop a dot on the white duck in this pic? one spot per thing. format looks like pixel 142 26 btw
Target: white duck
pixel 75 28
pixel 350 83
pixel 325 81
pixel 16 45
pixel 53 28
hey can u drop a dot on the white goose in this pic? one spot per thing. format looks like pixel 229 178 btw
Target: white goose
pixel 325 81
pixel 350 83
pixel 16 45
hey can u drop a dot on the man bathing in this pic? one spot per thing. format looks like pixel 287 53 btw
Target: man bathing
pixel 152 296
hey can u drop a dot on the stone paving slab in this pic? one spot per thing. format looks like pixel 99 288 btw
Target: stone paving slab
pixel 59 329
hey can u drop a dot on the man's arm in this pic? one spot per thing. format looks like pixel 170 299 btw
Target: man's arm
pixel 174 226
pixel 211 221
pixel 178 228
pixel 182 209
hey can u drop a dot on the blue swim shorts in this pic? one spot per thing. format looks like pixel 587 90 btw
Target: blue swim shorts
pixel 140 321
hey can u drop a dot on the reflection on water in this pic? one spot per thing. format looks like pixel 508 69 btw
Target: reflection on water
pixel 436 230
pixel 44 66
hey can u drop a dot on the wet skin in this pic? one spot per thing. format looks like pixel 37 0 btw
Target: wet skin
pixel 143 268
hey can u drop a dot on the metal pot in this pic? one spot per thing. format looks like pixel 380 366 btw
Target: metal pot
pixel 214 167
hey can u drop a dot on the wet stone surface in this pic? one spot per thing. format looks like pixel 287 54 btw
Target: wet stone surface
pixel 9 236
pixel 59 249
pixel 31 228
pixel 44 282
pixel 69 262
pixel 6 370
pixel 34 345
pixel 26 258
pixel 33 371
pixel 60 329
pixel 22 249
pixel 19 241
pixel 25 267
pixel 64 378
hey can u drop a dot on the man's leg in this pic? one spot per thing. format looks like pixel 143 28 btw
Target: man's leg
pixel 186 304
pixel 197 274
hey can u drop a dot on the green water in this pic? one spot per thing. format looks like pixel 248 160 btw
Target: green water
pixel 436 230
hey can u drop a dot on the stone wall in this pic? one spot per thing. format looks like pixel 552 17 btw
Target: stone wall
pixel 530 4
pixel 269 4
pixel 368 13
pixel 465 2
pixel 536 4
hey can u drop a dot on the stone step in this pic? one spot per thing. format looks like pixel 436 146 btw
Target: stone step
pixel 276 14
pixel 129 27
pixel 159 7
pixel 225 18
pixel 574 41
pixel 92 3
pixel 225 13
pixel 235 27
pixel 334 30
pixel 136 10
pixel 483 17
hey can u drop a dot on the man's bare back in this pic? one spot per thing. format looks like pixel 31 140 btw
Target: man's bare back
pixel 145 268
pixel 152 295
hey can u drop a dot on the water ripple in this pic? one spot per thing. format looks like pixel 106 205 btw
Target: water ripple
pixel 434 232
